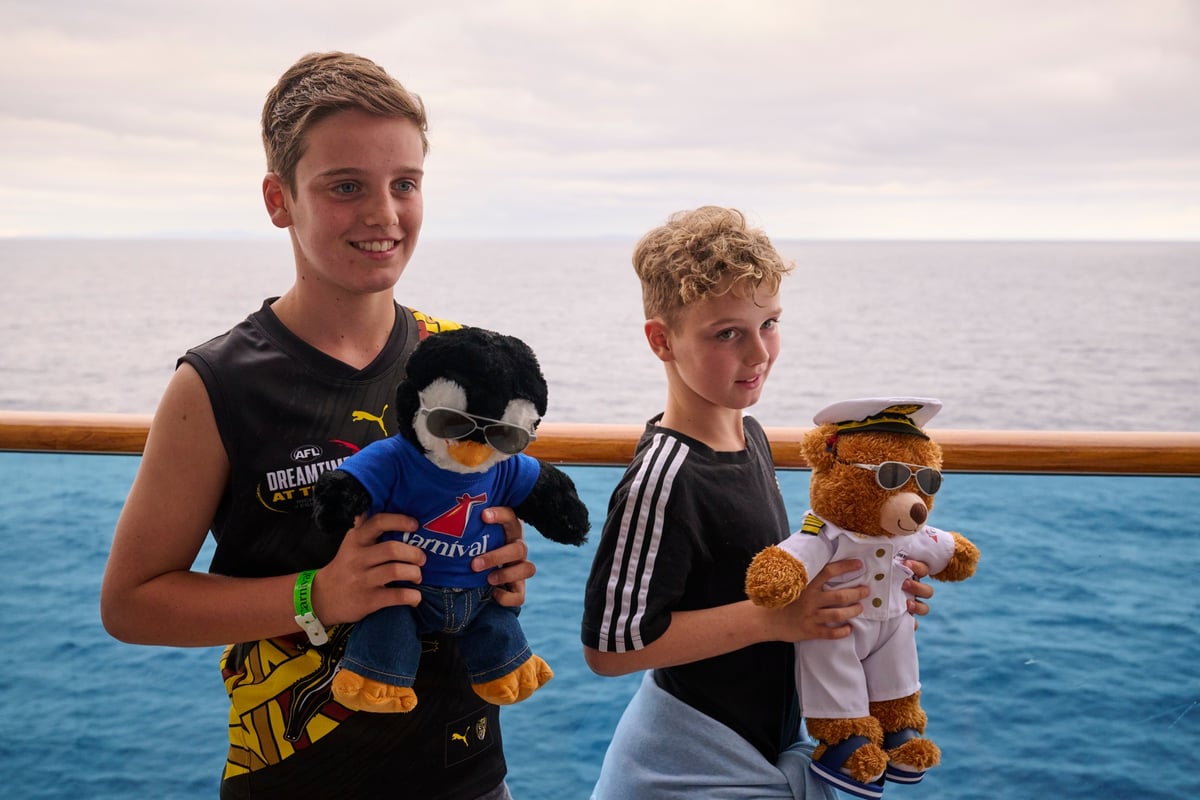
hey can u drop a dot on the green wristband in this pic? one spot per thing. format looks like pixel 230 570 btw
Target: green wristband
pixel 305 618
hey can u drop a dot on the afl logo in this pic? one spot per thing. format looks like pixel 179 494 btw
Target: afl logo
pixel 306 452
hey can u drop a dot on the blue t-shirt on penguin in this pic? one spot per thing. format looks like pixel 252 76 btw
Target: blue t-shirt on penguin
pixel 401 479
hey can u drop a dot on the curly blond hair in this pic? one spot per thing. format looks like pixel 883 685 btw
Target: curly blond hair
pixel 320 84
pixel 704 252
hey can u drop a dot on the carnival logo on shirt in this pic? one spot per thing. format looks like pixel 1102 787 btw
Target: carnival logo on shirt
pixel 454 521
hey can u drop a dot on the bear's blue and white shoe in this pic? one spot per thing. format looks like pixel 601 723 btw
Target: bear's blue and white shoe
pixel 829 769
pixel 897 772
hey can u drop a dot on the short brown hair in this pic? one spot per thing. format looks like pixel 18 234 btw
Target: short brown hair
pixel 704 252
pixel 320 84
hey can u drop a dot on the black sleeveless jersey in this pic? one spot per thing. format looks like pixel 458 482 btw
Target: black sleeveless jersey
pixel 286 412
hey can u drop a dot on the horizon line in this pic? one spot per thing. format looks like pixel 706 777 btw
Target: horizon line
pixel 229 236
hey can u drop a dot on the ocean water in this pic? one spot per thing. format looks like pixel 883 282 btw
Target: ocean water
pixel 1068 667
pixel 1042 336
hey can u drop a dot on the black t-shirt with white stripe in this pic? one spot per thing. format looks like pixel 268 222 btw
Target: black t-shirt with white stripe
pixel 682 527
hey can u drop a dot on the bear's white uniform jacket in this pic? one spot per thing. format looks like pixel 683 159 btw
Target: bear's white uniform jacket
pixel 878 661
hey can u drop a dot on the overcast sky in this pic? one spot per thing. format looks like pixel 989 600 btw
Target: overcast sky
pixel 1075 119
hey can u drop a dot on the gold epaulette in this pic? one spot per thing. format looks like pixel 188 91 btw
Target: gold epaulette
pixel 812 524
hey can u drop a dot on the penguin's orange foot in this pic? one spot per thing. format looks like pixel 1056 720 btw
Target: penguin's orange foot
pixel 364 694
pixel 516 685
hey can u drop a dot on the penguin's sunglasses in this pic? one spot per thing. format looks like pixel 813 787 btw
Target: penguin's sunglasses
pixel 894 474
pixel 447 423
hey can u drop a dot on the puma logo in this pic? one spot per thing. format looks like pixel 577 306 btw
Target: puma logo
pixel 460 737
pixel 367 416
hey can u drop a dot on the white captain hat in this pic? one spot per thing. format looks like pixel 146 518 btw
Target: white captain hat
pixel 894 414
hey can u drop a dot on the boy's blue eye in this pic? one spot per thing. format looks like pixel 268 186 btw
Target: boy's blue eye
pixel 406 185
pixel 345 188
pixel 726 334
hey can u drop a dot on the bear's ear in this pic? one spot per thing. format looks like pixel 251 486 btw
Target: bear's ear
pixel 817 447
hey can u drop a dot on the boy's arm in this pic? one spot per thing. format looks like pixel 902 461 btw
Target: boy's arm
pixel 150 593
pixel 705 633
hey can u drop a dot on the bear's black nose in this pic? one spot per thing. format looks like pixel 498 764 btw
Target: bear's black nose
pixel 919 513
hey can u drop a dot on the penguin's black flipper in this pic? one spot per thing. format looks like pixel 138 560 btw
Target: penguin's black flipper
pixel 337 499
pixel 554 507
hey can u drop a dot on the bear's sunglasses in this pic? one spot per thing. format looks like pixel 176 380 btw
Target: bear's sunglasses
pixel 894 474
pixel 447 423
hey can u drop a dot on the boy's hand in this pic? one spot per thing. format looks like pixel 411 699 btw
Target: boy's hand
pixel 355 582
pixel 820 613
pixel 510 560
pixel 920 591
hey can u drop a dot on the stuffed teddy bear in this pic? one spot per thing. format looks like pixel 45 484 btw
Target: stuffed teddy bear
pixel 874 475
pixel 469 405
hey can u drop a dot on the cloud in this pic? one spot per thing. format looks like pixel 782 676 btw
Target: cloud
pixel 922 119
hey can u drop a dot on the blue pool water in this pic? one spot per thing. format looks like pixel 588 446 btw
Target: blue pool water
pixel 1068 667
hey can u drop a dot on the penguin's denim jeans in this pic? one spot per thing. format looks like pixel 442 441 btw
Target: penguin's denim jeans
pixel 386 645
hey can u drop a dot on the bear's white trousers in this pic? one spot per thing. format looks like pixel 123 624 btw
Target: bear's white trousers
pixel 838 678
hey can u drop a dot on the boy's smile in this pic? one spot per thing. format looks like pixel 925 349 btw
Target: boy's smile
pixel 357 208
pixel 751 383
pixel 385 246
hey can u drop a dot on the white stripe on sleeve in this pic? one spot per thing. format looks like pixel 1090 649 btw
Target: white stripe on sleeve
pixel 662 462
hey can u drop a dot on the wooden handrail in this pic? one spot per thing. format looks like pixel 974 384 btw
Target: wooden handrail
pixel 1069 452
pixel 73 433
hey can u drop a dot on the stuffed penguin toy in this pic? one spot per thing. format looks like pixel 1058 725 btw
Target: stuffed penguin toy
pixel 469 405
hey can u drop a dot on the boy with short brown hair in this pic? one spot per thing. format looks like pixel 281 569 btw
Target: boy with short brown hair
pixel 301 383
